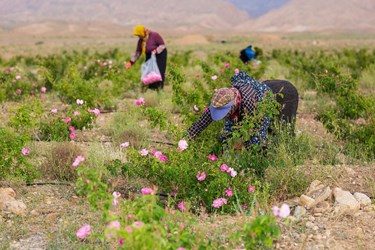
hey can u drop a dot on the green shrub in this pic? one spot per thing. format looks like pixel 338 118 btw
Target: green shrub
pixel 25 117
pixel 261 232
pixel 62 127
pixel 14 157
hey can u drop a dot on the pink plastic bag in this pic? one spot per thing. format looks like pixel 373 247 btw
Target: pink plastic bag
pixel 150 71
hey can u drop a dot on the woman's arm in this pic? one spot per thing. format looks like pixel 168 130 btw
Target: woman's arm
pixel 200 125
pixel 137 53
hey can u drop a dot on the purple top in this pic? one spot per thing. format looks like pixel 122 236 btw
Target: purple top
pixel 154 41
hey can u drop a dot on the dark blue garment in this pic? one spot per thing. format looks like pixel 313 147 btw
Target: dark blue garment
pixel 250 53
pixel 242 79
pixel 246 84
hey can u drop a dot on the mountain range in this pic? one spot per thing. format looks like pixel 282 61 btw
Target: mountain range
pixel 195 15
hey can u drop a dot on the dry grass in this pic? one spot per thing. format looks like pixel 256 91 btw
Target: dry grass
pixel 58 163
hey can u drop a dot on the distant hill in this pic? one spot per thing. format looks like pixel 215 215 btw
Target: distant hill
pixel 317 15
pixel 181 14
pixel 190 15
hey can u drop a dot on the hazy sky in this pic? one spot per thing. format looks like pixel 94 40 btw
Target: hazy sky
pixel 258 7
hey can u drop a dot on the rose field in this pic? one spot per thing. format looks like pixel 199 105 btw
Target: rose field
pixel 92 159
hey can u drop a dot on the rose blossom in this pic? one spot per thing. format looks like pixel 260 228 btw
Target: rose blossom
pixel 140 101
pixel 219 202
pixel 144 152
pixel 251 189
pixel 78 160
pixel 146 190
pixel 181 206
pixel 182 144
pixel 83 231
pixel 229 192
pixel 224 168
pixel 212 157
pixel 201 176
pixel 25 151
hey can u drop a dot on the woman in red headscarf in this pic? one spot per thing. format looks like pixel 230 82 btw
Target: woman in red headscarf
pixel 150 42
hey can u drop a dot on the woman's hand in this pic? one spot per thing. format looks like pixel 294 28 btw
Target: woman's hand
pixel 128 65
pixel 154 51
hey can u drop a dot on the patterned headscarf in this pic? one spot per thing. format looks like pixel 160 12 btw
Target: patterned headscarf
pixel 142 32
pixel 234 111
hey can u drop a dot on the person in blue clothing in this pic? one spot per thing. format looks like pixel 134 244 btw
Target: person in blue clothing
pixel 249 53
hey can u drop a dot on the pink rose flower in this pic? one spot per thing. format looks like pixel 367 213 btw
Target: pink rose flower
pixel 201 176
pixel 182 145
pixel 43 89
pixel 72 136
pixel 219 202
pixel 144 152
pixel 212 157
pixel 251 189
pixel 78 160
pixel 95 111
pixel 83 231
pixel 181 206
pixel 229 192
pixel 116 194
pixel 232 172
pixel 140 101
pixel 224 168
pixel 283 211
pixel 156 153
pixel 275 210
pixel 162 158
pixel 147 190
pixel 113 226
pixel 25 151
pixel 114 202
pixel 121 241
